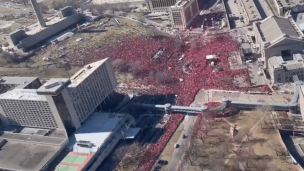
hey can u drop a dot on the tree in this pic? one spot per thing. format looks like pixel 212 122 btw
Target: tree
pixel 262 165
pixel 245 157
pixel 216 164
pixel 43 7
pixel 179 44
pixel 248 134
pixel 120 152
pixel 225 82
pixel 193 44
pixel 97 9
pixel 134 68
pixel 164 78
pixel 264 109
pixel 119 65
pixel 236 163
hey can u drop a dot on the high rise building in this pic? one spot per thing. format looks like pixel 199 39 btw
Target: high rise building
pixel 90 86
pixel 183 13
pixel 160 5
pixel 58 103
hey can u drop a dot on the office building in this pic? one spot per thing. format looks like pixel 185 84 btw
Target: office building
pixel 284 6
pixel 183 13
pixel 277 36
pixel 90 86
pixel 160 5
pixel 59 103
pixel 283 71
pixel 249 11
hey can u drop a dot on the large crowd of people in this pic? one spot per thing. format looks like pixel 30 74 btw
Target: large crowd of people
pixel 155 149
pixel 165 72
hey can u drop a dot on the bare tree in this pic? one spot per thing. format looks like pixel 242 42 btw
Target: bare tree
pixel 245 157
pixel 236 163
pixel 97 9
pixel 43 7
pixel 120 152
pixel 225 82
pixel 217 164
pixel 262 165
pixel 164 78
pixel 135 68
pixel 179 44
pixel 248 134
pixel 119 65
pixel 264 109
pixel 193 44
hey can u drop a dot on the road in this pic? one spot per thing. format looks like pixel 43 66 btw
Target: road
pixel 178 153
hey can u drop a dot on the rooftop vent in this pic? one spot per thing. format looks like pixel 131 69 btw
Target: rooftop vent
pixel 89 67
pixel 51 85
pixel 84 143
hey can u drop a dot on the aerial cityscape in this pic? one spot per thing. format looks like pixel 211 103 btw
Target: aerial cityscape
pixel 151 85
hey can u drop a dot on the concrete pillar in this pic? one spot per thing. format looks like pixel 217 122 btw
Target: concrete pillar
pixel 38 13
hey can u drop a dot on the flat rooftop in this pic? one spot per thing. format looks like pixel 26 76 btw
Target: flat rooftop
pixel 28 152
pixel 290 3
pixel 53 86
pixel 272 28
pixel 277 62
pixel 205 96
pixel 35 28
pixel 251 10
pixel 20 82
pixel 23 94
pixel 84 72
pixel 96 130
pixel 16 155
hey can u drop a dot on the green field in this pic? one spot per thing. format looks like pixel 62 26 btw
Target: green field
pixel 74 159
pixel 66 168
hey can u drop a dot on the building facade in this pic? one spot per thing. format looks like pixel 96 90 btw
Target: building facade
pixel 183 13
pixel 282 71
pixel 90 86
pixel 58 103
pixel 284 6
pixel 160 5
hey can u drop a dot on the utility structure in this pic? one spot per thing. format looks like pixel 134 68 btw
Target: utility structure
pixel 38 13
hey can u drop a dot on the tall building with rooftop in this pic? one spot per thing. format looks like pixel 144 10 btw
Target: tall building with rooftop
pixel 90 86
pixel 183 13
pixel 58 103
pixel 160 5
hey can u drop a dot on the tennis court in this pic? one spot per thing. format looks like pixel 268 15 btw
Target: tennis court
pixel 66 168
pixel 74 159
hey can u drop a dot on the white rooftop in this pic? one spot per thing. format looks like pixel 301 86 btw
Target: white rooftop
pixel 23 94
pixel 277 62
pixel 84 72
pixel 96 130
pixel 53 85
pixel 20 82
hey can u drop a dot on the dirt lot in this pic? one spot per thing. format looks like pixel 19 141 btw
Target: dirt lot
pixel 90 39
pixel 255 146
pixel 4 10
